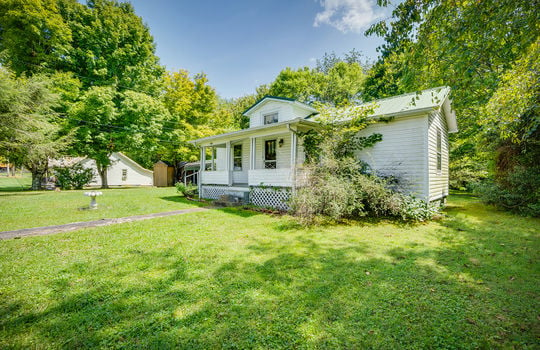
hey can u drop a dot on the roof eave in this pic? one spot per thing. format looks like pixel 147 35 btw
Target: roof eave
pixel 405 113
pixel 297 121
pixel 280 99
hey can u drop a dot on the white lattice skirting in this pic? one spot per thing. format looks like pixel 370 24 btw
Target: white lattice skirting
pixel 264 197
pixel 270 197
pixel 214 191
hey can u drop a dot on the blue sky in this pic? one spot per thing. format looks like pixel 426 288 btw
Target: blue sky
pixel 242 44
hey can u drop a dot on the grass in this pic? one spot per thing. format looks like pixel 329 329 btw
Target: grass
pixel 25 209
pixel 236 279
pixel 15 183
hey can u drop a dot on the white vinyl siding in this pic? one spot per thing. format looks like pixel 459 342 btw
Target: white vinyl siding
pixel 283 153
pixel 284 109
pixel 401 153
pixel 270 177
pixel 135 175
pixel 438 179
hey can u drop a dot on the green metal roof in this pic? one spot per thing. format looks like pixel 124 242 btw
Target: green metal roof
pixel 412 103
pixel 420 100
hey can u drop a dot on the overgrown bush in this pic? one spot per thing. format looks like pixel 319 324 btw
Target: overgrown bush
pixel 188 191
pixel 518 191
pixel 343 192
pixel 73 177
pixel 465 176
pixel 336 185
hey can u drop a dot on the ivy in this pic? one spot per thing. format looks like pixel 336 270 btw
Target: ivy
pixel 338 134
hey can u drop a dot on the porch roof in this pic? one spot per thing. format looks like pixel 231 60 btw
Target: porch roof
pixel 255 130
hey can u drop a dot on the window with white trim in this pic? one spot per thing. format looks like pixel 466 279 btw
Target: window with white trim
pixel 270 154
pixel 124 174
pixel 271 118
pixel 237 157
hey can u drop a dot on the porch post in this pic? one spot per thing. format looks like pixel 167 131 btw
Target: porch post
pixel 202 166
pixel 213 165
pixel 252 154
pixel 228 159
pixel 293 159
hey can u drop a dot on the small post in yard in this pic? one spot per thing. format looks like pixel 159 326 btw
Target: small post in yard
pixel 93 195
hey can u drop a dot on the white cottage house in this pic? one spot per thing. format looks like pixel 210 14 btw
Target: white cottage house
pixel 123 171
pixel 261 163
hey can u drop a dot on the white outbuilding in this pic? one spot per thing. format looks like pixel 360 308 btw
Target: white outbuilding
pixel 123 171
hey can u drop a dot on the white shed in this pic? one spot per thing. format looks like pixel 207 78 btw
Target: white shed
pixel 123 172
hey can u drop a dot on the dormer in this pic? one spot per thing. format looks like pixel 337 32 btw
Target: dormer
pixel 270 110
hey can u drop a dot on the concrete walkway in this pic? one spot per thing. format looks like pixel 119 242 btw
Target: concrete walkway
pixel 47 230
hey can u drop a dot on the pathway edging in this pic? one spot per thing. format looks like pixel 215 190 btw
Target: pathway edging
pixel 46 230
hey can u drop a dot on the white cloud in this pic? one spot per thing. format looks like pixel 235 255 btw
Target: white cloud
pixel 347 15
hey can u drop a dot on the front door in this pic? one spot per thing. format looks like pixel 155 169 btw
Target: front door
pixel 240 173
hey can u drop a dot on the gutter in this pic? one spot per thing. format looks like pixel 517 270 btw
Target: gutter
pixel 254 129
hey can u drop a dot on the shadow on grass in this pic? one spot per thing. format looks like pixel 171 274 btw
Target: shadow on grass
pixel 20 193
pixel 183 200
pixel 244 213
pixel 300 292
pixel 14 189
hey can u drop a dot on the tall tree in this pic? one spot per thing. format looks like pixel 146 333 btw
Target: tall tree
pixel 110 46
pixel 191 103
pixel 511 119
pixel 29 134
pixel 103 42
pixel 334 80
pixel 231 112
pixel 143 118
pixel 467 45
pixel 99 132
pixel 33 35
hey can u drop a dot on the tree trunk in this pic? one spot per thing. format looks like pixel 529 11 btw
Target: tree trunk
pixel 102 170
pixel 37 179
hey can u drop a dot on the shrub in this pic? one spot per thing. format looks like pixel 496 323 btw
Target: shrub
pixel 74 177
pixel 517 191
pixel 188 191
pixel 341 191
pixel 335 185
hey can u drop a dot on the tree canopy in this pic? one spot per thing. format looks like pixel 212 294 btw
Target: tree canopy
pixel 334 80
pixel 29 135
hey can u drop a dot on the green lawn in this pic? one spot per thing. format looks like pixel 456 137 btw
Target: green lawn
pixel 237 279
pixel 15 183
pixel 24 209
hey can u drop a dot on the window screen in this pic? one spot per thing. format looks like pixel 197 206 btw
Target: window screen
pixel 270 154
pixel 237 157
pixel 271 118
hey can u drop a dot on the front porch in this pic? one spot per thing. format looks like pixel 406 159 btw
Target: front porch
pixel 266 160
